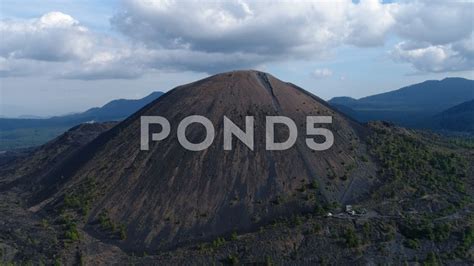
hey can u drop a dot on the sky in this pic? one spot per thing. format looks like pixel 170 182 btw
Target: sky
pixel 65 56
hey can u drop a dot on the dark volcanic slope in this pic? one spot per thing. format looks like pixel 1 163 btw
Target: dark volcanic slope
pixel 40 161
pixel 168 195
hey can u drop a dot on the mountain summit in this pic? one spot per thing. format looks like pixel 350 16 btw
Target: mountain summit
pixel 169 195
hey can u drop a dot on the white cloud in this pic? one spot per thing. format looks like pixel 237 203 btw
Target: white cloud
pixel 436 58
pixel 322 73
pixel 214 36
pixel 438 35
pixel 53 37
pixel 435 22
pixel 266 31
pixel 370 21
pixel 274 30
pixel 58 45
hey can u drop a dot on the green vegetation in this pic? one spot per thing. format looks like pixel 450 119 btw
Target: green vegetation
pixel 72 233
pixel 319 210
pixel 417 230
pixel 70 228
pixel 412 243
pixel 81 259
pixel 108 226
pixel 425 229
pixel 233 236
pixel 351 239
pixel 57 262
pixel 105 222
pixel 303 188
pixel 122 232
pixel 218 242
pixel 364 158
pixel 314 185
pixel 366 233
pixel 278 200
pixel 233 260
pixel 81 199
pixel 415 168
pixel 297 220
pixel 467 242
pixel 441 232
pixel 44 223
pixel 268 261
pixel 467 142
pixel 210 247
pixel 431 260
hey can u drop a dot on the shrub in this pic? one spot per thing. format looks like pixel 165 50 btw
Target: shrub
pixel 81 198
pixel 44 223
pixel 442 232
pixel 314 185
pixel 268 261
pixel 122 232
pixel 72 233
pixel 233 260
pixel 319 210
pixel 351 238
pixel 71 201
pixel 233 236
pixel 466 242
pixel 218 242
pixel 105 222
pixel 431 259
pixel 366 229
pixel 414 230
pixel 297 220
pixel 317 228
pixel 364 158
pixel 412 243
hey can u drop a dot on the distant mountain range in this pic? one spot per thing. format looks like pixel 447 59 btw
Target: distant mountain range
pixel 113 110
pixel 459 118
pixel 19 133
pixel 416 106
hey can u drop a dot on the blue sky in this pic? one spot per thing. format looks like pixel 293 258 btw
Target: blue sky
pixel 65 56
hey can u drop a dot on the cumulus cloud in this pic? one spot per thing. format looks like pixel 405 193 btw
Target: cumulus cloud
pixel 436 58
pixel 438 35
pixel 256 31
pixel 435 22
pixel 59 45
pixel 370 21
pixel 214 36
pixel 53 37
pixel 265 31
pixel 259 27
pixel 322 73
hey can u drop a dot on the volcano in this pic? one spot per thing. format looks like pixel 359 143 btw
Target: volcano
pixel 166 196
